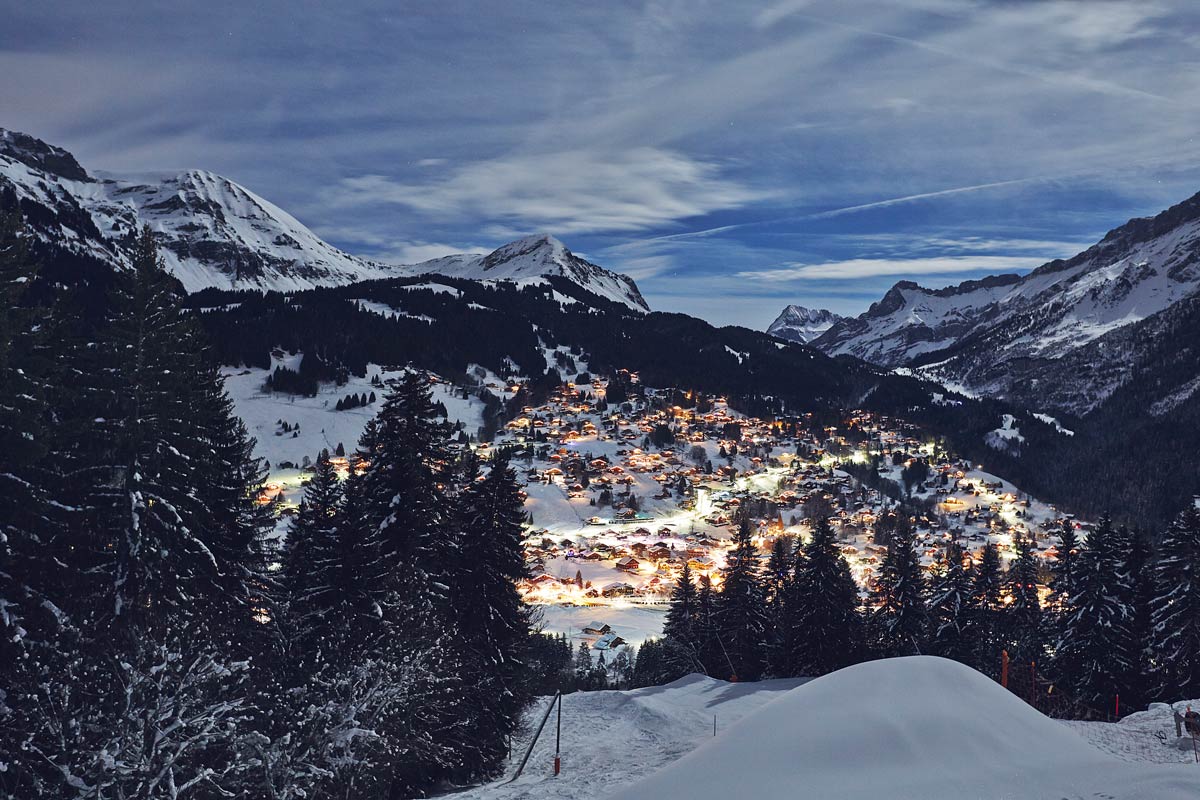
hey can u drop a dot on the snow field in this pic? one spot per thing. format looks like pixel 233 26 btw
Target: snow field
pixel 906 729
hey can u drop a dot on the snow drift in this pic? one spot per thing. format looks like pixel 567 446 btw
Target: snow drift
pixel 918 728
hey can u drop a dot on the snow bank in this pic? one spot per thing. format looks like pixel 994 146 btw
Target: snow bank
pixel 906 729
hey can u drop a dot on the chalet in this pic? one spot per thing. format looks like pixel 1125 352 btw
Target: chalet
pixel 628 564
pixel 609 641
pixel 595 628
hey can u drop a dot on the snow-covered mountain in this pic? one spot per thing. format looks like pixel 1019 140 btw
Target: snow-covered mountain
pixel 1017 337
pixel 213 232
pixel 800 324
pixel 531 258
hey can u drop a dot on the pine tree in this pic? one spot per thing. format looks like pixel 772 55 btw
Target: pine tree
pixel 987 610
pixel 951 606
pixel 314 576
pixel 583 668
pixel 1139 567
pixel 1023 615
pixel 741 621
pixel 681 650
pixel 405 505
pixel 1176 610
pixel 1065 567
pixel 161 573
pixel 711 652
pixel 1093 654
pixel 492 621
pixel 825 630
pixel 900 621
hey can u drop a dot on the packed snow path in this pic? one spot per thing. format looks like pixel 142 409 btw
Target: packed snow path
pixel 610 739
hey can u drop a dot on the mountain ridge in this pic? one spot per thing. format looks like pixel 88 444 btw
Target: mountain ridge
pixel 797 323
pixel 215 233
pixel 1013 336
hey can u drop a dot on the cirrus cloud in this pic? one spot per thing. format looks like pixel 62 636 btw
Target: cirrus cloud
pixel 569 191
pixel 876 267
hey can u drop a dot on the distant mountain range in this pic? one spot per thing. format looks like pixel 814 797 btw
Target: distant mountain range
pixel 800 324
pixel 215 233
pixel 1063 338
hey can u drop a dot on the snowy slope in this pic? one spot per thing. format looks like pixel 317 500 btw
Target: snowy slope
pixel 212 231
pixel 1013 337
pixel 614 738
pixel 532 258
pixel 800 324
pixel 906 729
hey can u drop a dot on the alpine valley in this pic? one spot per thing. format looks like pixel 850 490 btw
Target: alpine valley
pixel 302 435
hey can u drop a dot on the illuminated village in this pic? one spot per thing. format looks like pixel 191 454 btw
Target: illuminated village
pixel 620 495
pixel 616 509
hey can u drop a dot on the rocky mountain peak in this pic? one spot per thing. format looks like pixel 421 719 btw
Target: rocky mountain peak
pixel 33 152
pixel 800 324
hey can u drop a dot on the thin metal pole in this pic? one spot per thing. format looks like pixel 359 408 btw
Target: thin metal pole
pixel 525 760
pixel 558 738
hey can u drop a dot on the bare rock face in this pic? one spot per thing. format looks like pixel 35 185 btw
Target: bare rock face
pixel 800 324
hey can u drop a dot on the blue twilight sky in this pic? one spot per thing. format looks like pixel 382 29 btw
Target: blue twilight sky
pixel 733 157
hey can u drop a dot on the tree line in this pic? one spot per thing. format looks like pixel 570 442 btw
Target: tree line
pixel 158 641
pixel 1121 617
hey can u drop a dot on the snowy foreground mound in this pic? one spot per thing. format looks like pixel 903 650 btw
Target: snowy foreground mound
pixel 918 728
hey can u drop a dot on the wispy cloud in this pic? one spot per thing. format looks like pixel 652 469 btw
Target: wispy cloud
pixel 388 249
pixel 856 268
pixel 567 192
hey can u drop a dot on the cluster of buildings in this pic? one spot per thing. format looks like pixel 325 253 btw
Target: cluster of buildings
pixel 623 495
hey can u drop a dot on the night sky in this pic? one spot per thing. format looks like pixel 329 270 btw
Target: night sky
pixel 731 157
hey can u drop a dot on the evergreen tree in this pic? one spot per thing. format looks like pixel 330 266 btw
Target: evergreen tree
pixel 712 653
pixel 583 668
pixel 405 507
pixel 951 606
pixel 825 627
pixel 1024 612
pixel 1094 652
pixel 680 644
pixel 900 621
pixel 1176 610
pixel 741 621
pixel 1065 567
pixel 1139 567
pixel 315 577
pixel 987 612
pixel 492 621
